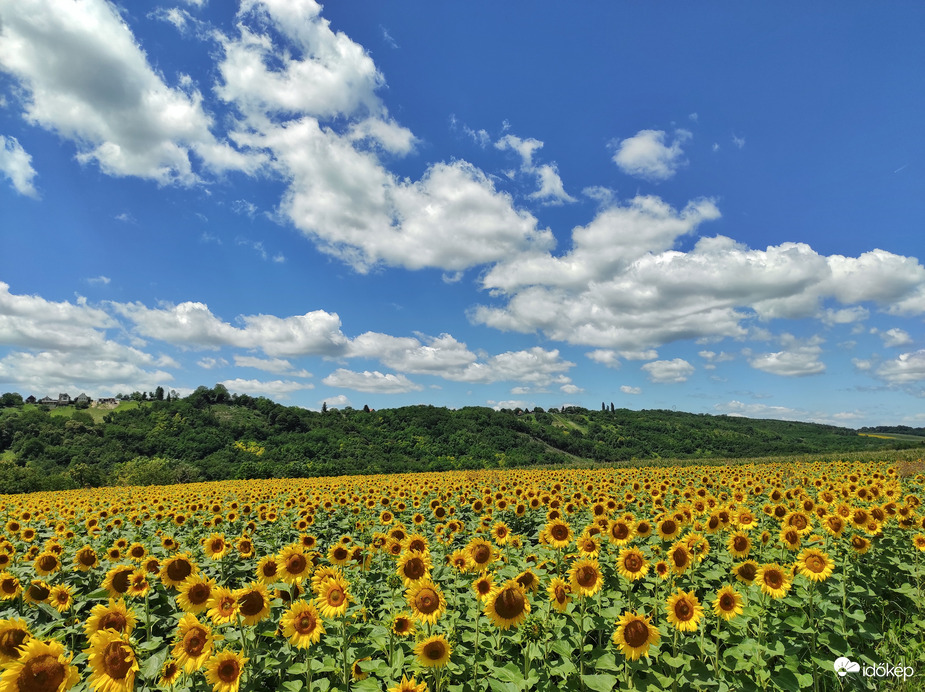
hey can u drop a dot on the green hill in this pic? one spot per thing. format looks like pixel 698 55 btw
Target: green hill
pixel 212 435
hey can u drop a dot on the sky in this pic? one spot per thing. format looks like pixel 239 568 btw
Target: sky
pixel 716 209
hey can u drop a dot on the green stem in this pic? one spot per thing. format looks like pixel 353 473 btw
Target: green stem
pixel 581 640
pixel 812 628
pixel 308 670
pixel 475 653
pixel 343 630
pixel 719 626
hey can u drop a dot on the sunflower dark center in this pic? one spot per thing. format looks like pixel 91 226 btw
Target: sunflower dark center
pixel 41 674
pixel 305 623
pixel 559 532
pixel 510 603
pixel 38 592
pixel 415 568
pixel 117 660
pixel 179 569
pixel 632 563
pixel 251 603
pixel 727 602
pixel 48 562
pixel 427 601
pixel 747 572
pixel 434 651
pixel 679 557
pixel 120 582
pixel 740 543
pixel 481 554
pixel 113 621
pixel 683 610
pixel 586 576
pixel 296 563
pixel 199 593
pixel 87 558
pixel 11 640
pixel 773 578
pixel 228 670
pixel 620 531
pixel 194 641
pixel 636 633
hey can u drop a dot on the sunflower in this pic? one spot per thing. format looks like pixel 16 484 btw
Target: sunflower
pixel 426 601
pixel 403 624
pixel 662 569
pixel 407 685
pixel 333 597
pixel 176 569
pixel 631 564
pixel 507 606
pixel 46 563
pixel 268 569
pixel 302 625
pixel 668 529
pixel 791 538
pixel 41 667
pixel 194 642
pixel 14 633
pixel 559 594
pixel 860 544
pixel 170 673
pixel 739 545
pixel 589 546
pixel 634 635
pixel 223 606
pixel 684 611
pixel 433 652
pixel 482 553
pixel 460 560
pixel 483 586
pixel 413 566
pixel 215 546
pixel 137 551
pixel 585 577
pixel 112 661
pixel 356 670
pixel 224 669
pixel 814 564
pixel 194 593
pixel 774 580
pixel 115 616
pixel 620 532
pixel 918 540
pixel 558 534
pixel 61 597
pixel 253 602
pixel 37 592
pixel 728 603
pixel 339 554
pixel 293 564
pixel 138 585
pixel 245 546
pixel 745 571
pixel 528 580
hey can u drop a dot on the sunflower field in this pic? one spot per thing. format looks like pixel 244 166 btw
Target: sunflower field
pixel 749 577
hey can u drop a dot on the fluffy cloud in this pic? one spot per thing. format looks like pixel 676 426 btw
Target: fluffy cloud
pixel 895 337
pixel 627 389
pixel 274 389
pixel 193 324
pixel 16 166
pixel 797 359
pixel 104 96
pixel 278 366
pixel 370 381
pixel 905 369
pixel 672 371
pixel 550 189
pixel 646 155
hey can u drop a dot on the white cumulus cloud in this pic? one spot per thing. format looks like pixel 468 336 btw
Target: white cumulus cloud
pixel 16 165
pixel 672 371
pixel 648 154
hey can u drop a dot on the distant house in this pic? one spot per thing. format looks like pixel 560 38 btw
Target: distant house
pixel 30 399
pixel 64 399
pixel 48 401
pixel 81 399
pixel 107 401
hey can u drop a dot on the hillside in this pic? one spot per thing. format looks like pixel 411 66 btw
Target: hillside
pixel 212 435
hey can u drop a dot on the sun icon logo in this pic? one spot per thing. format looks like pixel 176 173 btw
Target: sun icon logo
pixel 843 666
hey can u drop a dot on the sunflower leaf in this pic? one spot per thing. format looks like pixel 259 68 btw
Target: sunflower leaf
pixel 600 682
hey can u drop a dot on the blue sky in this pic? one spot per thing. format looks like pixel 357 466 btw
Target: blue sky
pixel 523 204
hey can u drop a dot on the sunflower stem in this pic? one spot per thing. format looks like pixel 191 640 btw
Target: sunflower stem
pixel 812 628
pixel 308 670
pixel 475 653
pixel 581 640
pixel 719 626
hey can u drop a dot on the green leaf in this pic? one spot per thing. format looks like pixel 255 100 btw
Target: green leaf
pixel 786 680
pixel 296 668
pixel 600 682
pixel 151 668
pixel 293 685
pixel 510 673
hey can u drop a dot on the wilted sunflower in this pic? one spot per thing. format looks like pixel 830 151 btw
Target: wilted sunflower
pixel 507 606
pixel 426 601
pixel 223 606
pixel 194 593
pixel 224 670
pixel 684 611
pixel 333 597
pixel 302 624
pixel 631 564
pixel 728 603
pixel 253 602
pixel 433 652
pixel 814 564
pixel 14 633
pixel 194 643
pixel 634 635
pixel 41 667
pixel 407 685
pixel 774 580
pixel 585 578
pixel 114 616
pixel 112 661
